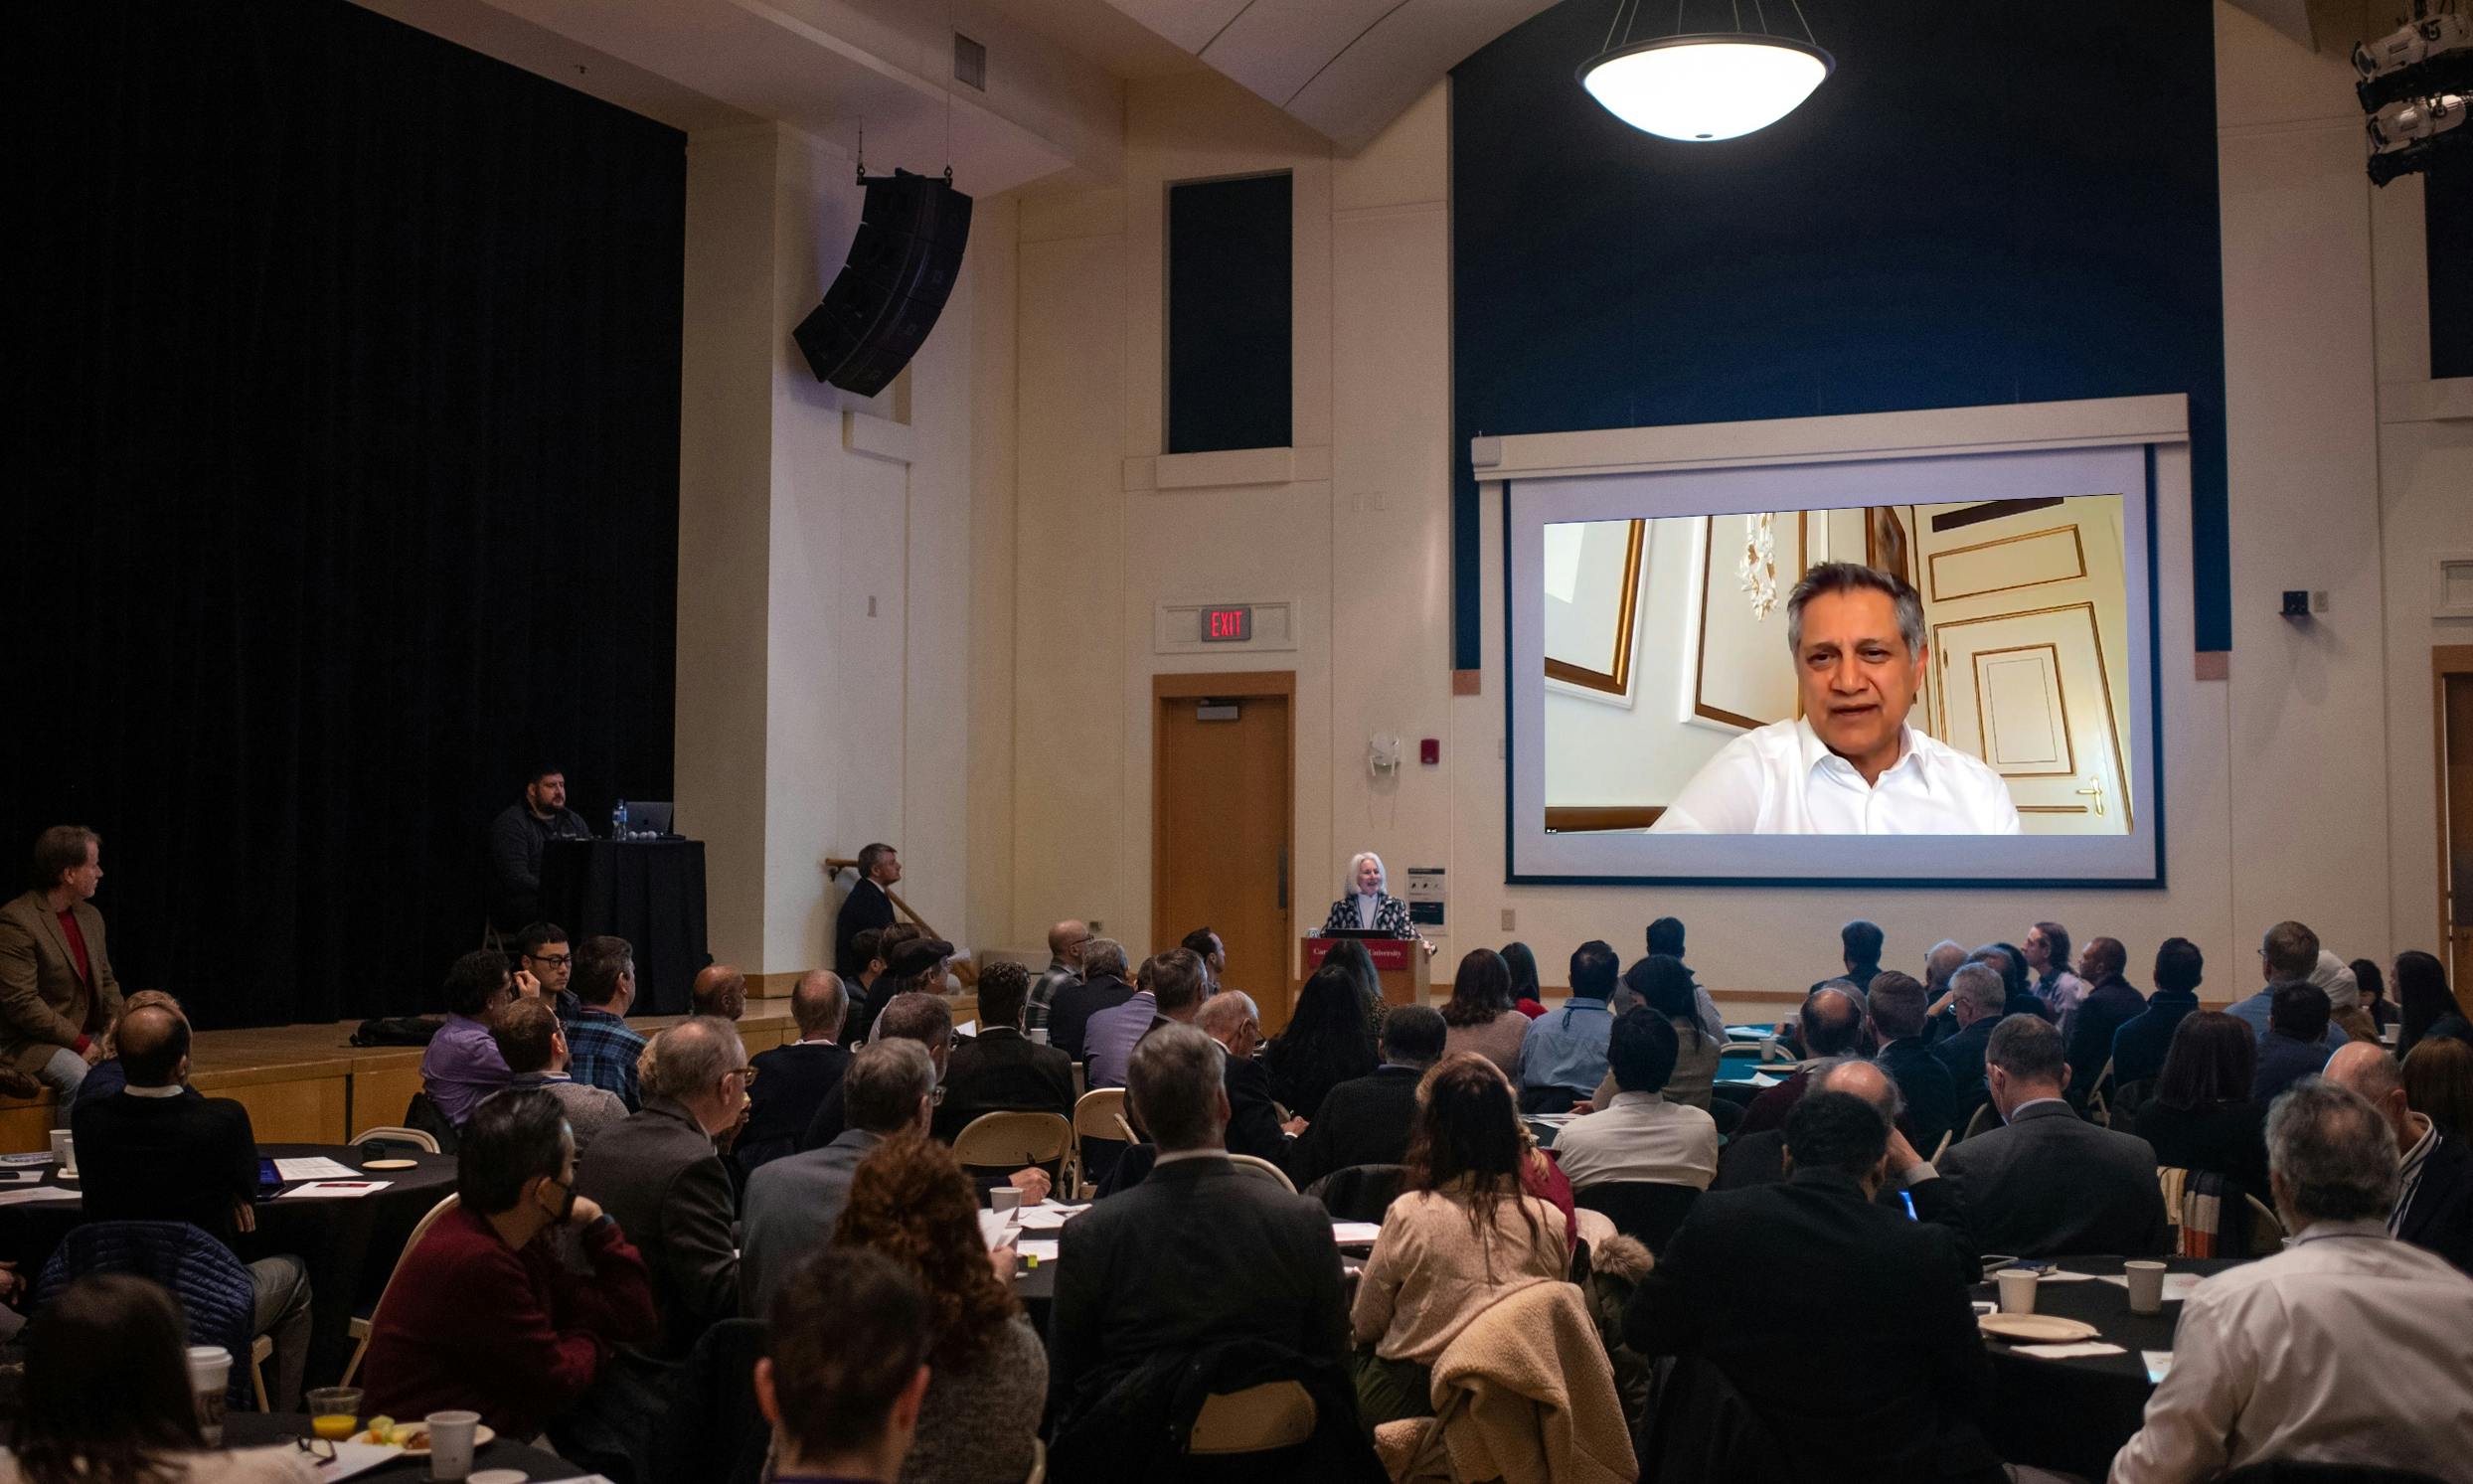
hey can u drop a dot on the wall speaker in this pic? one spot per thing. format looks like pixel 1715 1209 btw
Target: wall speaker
pixel 900 270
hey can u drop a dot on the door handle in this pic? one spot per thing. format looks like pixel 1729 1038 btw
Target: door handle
pixel 2095 786
pixel 1283 878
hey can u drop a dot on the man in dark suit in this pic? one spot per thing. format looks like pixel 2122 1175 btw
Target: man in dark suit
pixel 1886 1388
pixel 793 1079
pixel 2051 1184
pixel 1898 1003
pixel 2138 1048
pixel 2295 1043
pixel 1976 995
pixel 1253 1122
pixel 1760 1158
pixel 2110 1003
pixel 1196 1255
pixel 1859 948
pixel 1365 1120
pixel 1103 987
pixel 660 1176
pixel 157 1152
pixel 1002 1070
pixel 58 995
pixel 1830 1024
pixel 866 905
pixel 793 1201
pixel 2434 1201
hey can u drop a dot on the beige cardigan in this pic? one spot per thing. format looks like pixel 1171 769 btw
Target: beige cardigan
pixel 1528 1396
pixel 1427 1277
pixel 1498 1041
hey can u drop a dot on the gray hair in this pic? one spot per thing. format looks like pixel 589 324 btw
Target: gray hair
pixel 1825 1072
pixel 1223 1013
pixel 1379 870
pixel 1173 1084
pixel 885 1083
pixel 695 1054
pixel 819 1004
pixel 914 1015
pixel 1103 958
pixel 2335 1153
pixel 1980 985
pixel 1940 962
pixel 1853 577
pixel 2028 1049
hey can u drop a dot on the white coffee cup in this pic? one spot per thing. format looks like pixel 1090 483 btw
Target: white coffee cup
pixel 2017 1289
pixel 65 1152
pixel 450 1443
pixel 1004 1198
pixel 210 1372
pixel 2146 1286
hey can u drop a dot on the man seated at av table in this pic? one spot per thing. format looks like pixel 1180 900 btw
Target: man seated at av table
pixel 1848 765
pixel 516 838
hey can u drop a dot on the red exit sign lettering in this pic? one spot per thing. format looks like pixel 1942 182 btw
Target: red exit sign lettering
pixel 1227 626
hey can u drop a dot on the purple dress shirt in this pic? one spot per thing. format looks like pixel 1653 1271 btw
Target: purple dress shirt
pixel 461 1066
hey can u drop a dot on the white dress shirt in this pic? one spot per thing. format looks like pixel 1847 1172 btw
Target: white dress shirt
pixel 1781 780
pixel 2347 1347
pixel 1639 1136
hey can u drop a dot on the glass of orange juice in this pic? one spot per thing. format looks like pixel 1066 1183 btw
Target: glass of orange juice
pixel 335 1412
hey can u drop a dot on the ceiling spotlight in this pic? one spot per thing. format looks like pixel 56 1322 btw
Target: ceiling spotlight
pixel 1703 85
pixel 2413 44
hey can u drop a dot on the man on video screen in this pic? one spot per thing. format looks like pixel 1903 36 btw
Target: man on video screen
pixel 1848 765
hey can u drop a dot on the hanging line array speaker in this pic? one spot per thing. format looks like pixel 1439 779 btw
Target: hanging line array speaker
pixel 888 294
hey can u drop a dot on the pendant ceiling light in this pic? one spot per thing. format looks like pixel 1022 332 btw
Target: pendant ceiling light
pixel 1704 85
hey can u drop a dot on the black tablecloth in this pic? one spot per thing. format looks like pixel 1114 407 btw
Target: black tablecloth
pixel 349 1245
pixel 258 1430
pixel 2075 1414
pixel 648 892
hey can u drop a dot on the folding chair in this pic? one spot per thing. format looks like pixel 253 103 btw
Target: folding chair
pixel 360 1327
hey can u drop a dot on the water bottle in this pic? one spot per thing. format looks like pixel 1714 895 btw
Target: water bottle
pixel 618 821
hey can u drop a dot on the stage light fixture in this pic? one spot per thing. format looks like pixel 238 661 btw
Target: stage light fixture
pixel 2413 44
pixel 1705 85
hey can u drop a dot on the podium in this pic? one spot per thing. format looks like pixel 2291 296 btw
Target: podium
pixel 1399 962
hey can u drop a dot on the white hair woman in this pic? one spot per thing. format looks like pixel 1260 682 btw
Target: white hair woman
pixel 1366 907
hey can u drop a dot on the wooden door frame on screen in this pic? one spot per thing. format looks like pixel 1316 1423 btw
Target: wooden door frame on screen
pixel 1201 685
pixel 2445 660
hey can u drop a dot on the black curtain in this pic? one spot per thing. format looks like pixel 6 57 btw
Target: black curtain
pixel 342 482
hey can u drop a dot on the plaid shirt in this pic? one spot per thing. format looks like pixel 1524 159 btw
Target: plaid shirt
pixel 604 1053
pixel 1044 992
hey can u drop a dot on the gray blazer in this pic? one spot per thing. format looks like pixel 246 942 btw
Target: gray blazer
pixel 658 1174
pixel 792 1204
pixel 2051 1184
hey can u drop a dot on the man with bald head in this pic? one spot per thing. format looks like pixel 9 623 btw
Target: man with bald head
pixel 155 1152
pixel 793 1079
pixel 1760 1159
pixel 2434 1201
pixel 1833 1025
pixel 1065 967
pixel 1230 1019
pixel 720 991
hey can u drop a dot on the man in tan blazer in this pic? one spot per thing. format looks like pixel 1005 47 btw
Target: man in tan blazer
pixel 58 995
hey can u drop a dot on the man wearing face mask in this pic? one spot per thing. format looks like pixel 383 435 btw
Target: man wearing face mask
pixel 482 1315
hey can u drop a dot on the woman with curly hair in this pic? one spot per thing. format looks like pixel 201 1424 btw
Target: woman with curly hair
pixel 1461 1235
pixel 988 1372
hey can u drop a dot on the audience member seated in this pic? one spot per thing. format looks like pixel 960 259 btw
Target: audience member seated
pixel 2373 983
pixel 1526 997
pixel 1885 1389
pixel 1103 987
pixel 1907 1180
pixel 926 1019
pixel 2108 1003
pixel 1195 1255
pixel 2288 954
pixel 154 1152
pixel 1253 1123
pixel 2019 996
pixel 2334 977
pixel 605 1052
pixel 2051 1184
pixel 1065 943
pixel 2434 1206
pixel 793 1079
pixel 1924 1086
pixel 57 994
pixel 1366 1121
pixel 2295 1045
pixel 1479 1016
pixel 489 1313
pixel 879 984
pixel 1662 983
pixel 1002 1070
pixel 868 946
pixel 1204 944
pixel 2140 1046
pixel 2203 1114
pixel 462 1065
pixel 1639 1135
pixel 793 1201
pixel 1832 1025
pixel 2257 1345
pixel 914 965
pixel 846 1372
pixel 2423 1005
pixel 2047 951
pixel 1563 1058
pixel 1327 1041
pixel 987 1374
pixel 658 1173
pixel 1108 1038
pixel 1941 962
pixel 105 1399
pixel 1859 954
pixel 720 991
pixel 2439 1083
pixel 1460 1236
pixel 543 951
pixel 105 1077
pixel 1975 1000
pixel 534 1050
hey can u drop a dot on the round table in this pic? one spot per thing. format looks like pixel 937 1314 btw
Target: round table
pixel 2073 1414
pixel 250 1429
pixel 349 1245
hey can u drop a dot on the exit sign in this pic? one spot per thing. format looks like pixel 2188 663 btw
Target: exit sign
pixel 1227 626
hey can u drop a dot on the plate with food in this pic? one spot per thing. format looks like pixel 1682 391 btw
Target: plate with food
pixel 411 1437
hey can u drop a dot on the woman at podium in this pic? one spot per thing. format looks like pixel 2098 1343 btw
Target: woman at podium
pixel 1368 908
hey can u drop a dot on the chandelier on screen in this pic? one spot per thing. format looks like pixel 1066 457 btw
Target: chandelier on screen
pixel 1699 85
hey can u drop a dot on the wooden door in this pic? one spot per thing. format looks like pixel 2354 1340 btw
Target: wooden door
pixel 2452 668
pixel 1222 764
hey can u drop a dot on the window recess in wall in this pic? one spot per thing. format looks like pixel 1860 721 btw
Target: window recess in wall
pixel 1230 275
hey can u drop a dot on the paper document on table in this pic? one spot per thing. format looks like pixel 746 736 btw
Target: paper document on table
pixel 1043 1250
pixel 334 1190
pixel 1047 1216
pixel 43 1158
pixel 1355 1234
pixel 1763 1079
pixel 968 1028
pixel 38 1192
pixel 359 1458
pixel 1551 1120
pixel 314 1167
pixel 2067 1352
pixel 19 1177
pixel 2176 1285
pixel 996 1228
pixel 2055 1275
